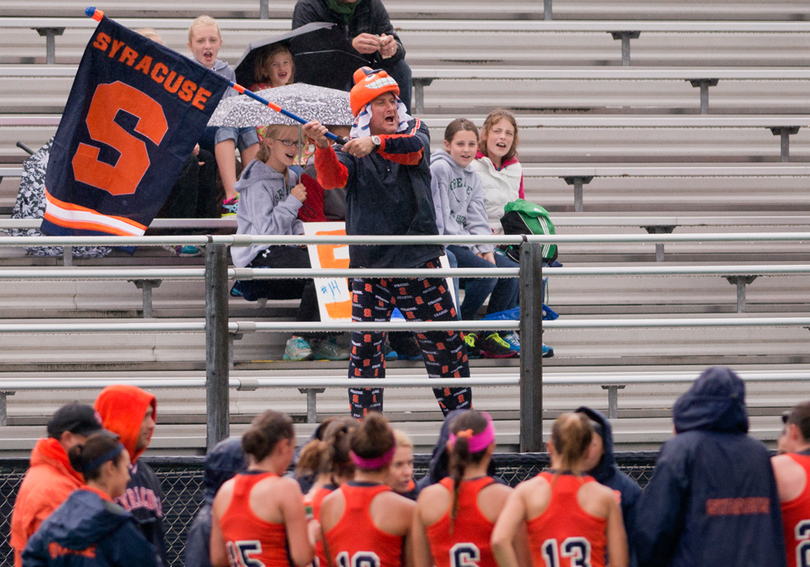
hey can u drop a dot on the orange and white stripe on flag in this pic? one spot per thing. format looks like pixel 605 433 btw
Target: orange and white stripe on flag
pixel 77 217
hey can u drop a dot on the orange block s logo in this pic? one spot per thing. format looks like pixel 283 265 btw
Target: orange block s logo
pixel 124 177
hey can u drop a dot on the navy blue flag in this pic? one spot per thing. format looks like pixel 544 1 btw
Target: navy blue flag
pixel 134 115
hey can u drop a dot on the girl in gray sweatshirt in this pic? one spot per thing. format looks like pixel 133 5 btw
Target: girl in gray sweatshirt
pixel 269 199
pixel 458 198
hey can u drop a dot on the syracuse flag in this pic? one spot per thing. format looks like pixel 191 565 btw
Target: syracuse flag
pixel 135 113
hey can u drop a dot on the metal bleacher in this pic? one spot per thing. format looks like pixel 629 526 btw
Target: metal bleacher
pixel 632 134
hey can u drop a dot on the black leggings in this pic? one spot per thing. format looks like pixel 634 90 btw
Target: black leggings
pixel 286 257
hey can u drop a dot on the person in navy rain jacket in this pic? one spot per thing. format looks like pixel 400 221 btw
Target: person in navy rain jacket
pixel 222 463
pixel 712 500
pixel 604 469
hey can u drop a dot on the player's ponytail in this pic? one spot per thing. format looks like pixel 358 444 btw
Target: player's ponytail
pixel 372 444
pixel 571 436
pixel 338 437
pixel 313 458
pixel 266 431
pixel 471 434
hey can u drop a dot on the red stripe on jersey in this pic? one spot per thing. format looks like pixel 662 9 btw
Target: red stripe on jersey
pixel 411 158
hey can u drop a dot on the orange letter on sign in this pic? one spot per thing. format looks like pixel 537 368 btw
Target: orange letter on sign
pixel 326 254
pixel 122 178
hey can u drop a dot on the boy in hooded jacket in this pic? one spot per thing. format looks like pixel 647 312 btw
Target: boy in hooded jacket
pixel 223 462
pixel 130 413
pixel 713 498
pixel 603 467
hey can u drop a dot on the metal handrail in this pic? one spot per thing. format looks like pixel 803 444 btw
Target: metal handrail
pixel 406 380
pixel 475 326
pixel 248 240
pixel 57 273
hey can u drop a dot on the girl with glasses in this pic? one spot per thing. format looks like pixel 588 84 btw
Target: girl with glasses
pixel 271 195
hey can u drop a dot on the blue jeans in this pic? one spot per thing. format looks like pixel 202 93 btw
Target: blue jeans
pixel 504 291
pixel 242 137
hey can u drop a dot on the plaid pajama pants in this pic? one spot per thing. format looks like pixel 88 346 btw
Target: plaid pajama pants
pixel 444 352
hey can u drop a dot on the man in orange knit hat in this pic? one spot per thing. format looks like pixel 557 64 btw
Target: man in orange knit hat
pixel 131 412
pixel 51 479
pixel 385 171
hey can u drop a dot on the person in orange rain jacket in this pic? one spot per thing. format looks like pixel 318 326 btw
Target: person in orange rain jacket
pixel 51 479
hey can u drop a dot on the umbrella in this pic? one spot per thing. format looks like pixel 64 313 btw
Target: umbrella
pixel 327 106
pixel 245 66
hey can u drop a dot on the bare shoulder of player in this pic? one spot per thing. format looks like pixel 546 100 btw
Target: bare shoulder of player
pixel 536 493
pixel 597 499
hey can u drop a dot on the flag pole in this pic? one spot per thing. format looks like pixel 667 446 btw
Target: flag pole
pixel 97 15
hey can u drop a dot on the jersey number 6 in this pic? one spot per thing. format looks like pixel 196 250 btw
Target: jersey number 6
pixel 465 555
pixel 123 177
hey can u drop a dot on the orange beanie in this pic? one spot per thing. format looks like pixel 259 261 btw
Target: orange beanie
pixel 368 85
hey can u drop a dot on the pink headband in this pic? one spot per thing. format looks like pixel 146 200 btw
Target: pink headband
pixel 376 462
pixel 479 441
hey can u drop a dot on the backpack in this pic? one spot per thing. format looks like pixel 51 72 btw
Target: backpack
pixel 523 217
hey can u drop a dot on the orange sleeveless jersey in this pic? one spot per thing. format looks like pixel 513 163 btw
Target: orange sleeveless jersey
pixel 250 540
pixel 468 545
pixel 565 535
pixel 315 501
pixel 796 520
pixel 355 541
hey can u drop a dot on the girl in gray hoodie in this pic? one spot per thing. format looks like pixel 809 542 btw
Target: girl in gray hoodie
pixel 269 197
pixel 459 201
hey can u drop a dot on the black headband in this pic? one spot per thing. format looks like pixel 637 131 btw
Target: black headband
pixel 98 461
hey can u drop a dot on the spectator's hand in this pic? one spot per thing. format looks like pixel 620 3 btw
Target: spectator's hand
pixel 196 152
pixel 489 257
pixel 366 43
pixel 359 147
pixel 299 192
pixel 317 133
pixel 388 46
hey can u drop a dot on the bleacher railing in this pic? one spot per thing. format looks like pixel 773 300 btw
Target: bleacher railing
pixel 218 327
